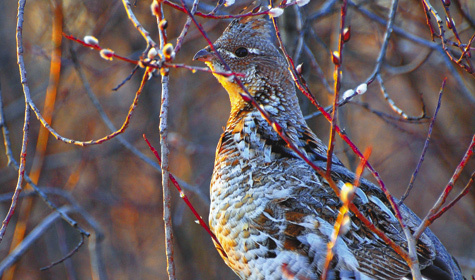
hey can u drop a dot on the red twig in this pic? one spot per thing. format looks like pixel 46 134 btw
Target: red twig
pixel 185 198
pixel 152 64
pixel 337 61
pixel 304 89
pixel 361 166
pixel 455 200
pixel 98 48
pixel 434 212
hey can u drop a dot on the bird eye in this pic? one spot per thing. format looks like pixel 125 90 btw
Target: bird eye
pixel 241 52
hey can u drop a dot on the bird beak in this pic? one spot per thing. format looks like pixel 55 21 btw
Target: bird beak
pixel 204 55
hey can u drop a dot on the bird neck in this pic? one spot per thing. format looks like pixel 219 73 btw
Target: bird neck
pixel 281 106
pixel 249 121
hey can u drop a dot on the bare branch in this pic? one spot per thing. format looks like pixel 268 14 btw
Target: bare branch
pixel 426 145
pixel 158 12
pixel 187 201
pixel 138 25
pixel 26 123
pixel 420 41
pixel 70 254
pixel 31 238
pixel 43 196
pixel 443 196
pixel 464 192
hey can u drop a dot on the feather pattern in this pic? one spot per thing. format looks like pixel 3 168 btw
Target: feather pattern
pixel 271 212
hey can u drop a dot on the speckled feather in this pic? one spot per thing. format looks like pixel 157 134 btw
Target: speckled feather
pixel 271 212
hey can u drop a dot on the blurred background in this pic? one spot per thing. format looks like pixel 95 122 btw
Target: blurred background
pixel 122 193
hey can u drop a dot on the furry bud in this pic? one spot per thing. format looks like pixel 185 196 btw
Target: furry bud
pixel 302 3
pixel 228 3
pixel 276 12
pixel 336 58
pixel 107 54
pixel 168 51
pixel 91 40
pixel 346 34
pixel 163 24
pixel 152 53
pixel 361 89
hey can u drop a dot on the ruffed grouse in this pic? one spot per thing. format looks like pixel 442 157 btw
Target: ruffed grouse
pixel 271 212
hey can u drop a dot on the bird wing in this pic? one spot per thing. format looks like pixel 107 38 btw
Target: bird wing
pixel 302 222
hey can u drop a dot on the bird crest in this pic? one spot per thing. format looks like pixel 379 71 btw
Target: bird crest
pixel 253 27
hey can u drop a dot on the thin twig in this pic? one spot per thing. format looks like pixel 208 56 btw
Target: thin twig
pixel 25 210
pixel 314 64
pixel 423 42
pixel 393 105
pixel 301 34
pixel 464 192
pixel 122 140
pixel 184 31
pixel 384 46
pixel 426 145
pixel 167 218
pixel 6 133
pixel 337 72
pixel 385 116
pixel 26 122
pixel 137 67
pixel 443 40
pixel 72 252
pixel 187 201
pixel 467 49
pixel 128 8
pixel 63 248
pixel 90 142
pixel 21 172
pixel 43 196
pixel 380 60
pixel 443 196
pixel 31 238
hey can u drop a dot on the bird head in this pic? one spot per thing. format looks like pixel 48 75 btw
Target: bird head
pixel 246 47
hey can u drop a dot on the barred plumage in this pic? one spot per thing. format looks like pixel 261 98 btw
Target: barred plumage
pixel 271 212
